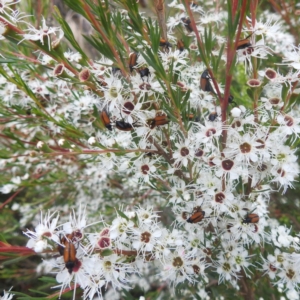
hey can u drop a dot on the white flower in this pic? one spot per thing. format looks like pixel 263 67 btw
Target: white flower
pixel 46 229
pixel 236 112
pixel 226 270
pixel 92 140
pixel 39 34
pixel 179 267
pixel 145 238
pixel 7 295
pixel 40 144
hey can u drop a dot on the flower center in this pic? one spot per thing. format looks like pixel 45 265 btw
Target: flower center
pixel 236 124
pixel 177 262
pixel 272 268
pixel 262 167
pixel 274 101
pixel 227 164
pixel 238 260
pixel 113 92
pixel 280 258
pixel 245 148
pixel 145 237
pixel 290 273
pixel 270 73
pixel 226 267
pixel 199 153
pixel 210 132
pixel 184 151
pixel 107 265
pixel 219 197
pixel 281 172
pixel 196 269
pixel 145 169
pixel 128 108
pixel 104 242
pixel 289 121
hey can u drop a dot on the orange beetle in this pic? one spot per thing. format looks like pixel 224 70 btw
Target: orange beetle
pixel 70 256
pixel 245 43
pixel 251 218
pixel 180 45
pixel 164 43
pixel 132 60
pixel 242 44
pixel 197 216
pixel 205 82
pixel 159 120
pixel 68 251
pixel 106 120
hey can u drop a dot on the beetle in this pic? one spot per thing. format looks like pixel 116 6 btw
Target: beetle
pixel 205 84
pixel 230 100
pixel 212 116
pixel 193 4
pixel 122 125
pixel 144 72
pixel 105 119
pixel 68 251
pixel 242 44
pixel 143 3
pixel 197 216
pixel 133 60
pixel 159 120
pixel 180 45
pixel 115 70
pixel 187 24
pixel 69 256
pixel 251 218
pixel 245 43
pixel 101 81
pixel 164 43
pixel 190 116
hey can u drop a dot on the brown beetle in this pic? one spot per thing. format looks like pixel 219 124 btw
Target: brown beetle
pixel 70 256
pixel 245 43
pixel 197 216
pixel 164 43
pixel 180 45
pixel 67 249
pixel 132 60
pixel 251 218
pixel 242 44
pixel 187 24
pixel 143 3
pixel 105 119
pixel 205 84
pixel 159 120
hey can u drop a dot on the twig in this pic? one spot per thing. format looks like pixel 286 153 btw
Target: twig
pixel 160 10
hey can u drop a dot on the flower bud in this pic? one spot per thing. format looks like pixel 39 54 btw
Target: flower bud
pixel 58 70
pixel 270 74
pixel 84 75
pixel 254 83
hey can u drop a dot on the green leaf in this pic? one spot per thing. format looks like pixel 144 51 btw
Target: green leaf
pixel 107 252
pixel 122 215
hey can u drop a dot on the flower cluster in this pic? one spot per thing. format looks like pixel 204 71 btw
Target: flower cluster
pixel 157 125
